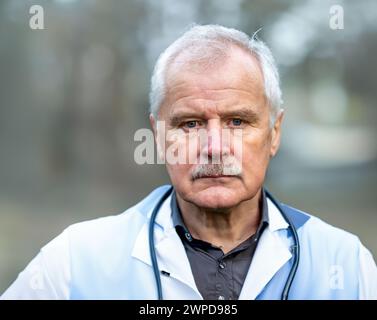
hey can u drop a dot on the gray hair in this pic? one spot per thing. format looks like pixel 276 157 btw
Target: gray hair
pixel 207 44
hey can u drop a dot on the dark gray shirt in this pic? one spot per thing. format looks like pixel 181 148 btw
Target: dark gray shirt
pixel 218 276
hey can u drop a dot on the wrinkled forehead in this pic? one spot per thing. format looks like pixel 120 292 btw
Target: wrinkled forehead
pixel 235 76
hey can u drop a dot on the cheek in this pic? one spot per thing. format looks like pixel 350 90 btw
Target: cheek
pixel 181 148
pixel 255 155
pixel 179 173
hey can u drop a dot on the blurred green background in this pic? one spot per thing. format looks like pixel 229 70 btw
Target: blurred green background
pixel 73 95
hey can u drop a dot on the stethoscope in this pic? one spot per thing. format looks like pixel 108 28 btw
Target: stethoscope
pixel 295 247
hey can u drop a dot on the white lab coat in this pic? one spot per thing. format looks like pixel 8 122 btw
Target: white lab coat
pixel 108 258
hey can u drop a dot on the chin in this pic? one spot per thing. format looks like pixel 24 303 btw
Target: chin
pixel 216 197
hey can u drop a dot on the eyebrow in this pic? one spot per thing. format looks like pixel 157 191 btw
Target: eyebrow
pixel 176 119
pixel 244 113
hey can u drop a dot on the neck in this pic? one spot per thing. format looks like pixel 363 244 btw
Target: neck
pixel 223 228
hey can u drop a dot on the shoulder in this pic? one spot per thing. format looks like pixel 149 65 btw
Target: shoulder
pixel 312 228
pixel 116 227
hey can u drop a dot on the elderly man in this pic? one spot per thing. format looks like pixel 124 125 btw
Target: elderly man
pixel 216 233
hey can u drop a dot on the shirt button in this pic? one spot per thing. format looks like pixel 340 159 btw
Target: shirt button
pixel 221 298
pixel 188 236
pixel 222 265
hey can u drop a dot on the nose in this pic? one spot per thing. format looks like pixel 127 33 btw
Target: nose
pixel 214 149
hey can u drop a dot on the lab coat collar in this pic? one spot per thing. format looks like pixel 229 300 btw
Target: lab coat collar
pixel 276 220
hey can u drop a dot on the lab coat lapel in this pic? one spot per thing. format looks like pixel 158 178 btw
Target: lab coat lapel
pixel 271 254
pixel 171 254
pixel 172 258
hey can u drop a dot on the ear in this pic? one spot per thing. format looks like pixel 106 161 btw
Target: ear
pixel 152 121
pixel 159 144
pixel 276 134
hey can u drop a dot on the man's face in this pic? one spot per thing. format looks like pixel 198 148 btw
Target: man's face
pixel 228 96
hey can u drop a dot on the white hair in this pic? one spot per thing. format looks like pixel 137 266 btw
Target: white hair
pixel 206 44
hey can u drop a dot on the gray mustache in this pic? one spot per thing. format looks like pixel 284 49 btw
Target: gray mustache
pixel 204 170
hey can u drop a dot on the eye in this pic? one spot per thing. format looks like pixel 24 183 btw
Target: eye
pixel 236 122
pixel 191 124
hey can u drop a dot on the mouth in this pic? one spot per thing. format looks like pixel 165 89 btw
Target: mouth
pixel 214 176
